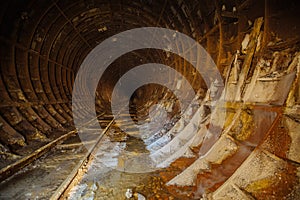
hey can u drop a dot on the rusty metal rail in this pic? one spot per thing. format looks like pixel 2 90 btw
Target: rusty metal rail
pixel 12 169
pixel 67 182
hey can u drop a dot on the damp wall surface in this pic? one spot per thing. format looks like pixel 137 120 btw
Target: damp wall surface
pixel 43 44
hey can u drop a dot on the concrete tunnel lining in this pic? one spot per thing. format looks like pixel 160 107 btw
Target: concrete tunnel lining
pixel 44 43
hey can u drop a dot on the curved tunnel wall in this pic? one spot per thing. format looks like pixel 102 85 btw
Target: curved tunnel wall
pixel 44 42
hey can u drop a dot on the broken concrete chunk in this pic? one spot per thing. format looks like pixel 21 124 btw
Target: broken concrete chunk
pixel 188 176
pixel 222 149
pixel 232 192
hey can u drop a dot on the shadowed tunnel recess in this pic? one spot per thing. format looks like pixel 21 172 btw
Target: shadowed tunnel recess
pixel 245 146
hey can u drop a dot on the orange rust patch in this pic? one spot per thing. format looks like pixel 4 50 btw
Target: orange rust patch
pixel 211 180
pixel 278 140
pixel 176 168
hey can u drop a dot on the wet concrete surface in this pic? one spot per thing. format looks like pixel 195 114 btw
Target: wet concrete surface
pixel 42 178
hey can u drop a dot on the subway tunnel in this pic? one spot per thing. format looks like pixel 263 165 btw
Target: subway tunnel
pixel 149 99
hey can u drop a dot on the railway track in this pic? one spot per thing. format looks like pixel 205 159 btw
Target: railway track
pixel 9 170
pixel 69 171
pixel 65 186
pixel 57 159
pixel 57 166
